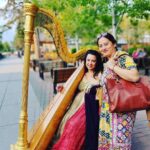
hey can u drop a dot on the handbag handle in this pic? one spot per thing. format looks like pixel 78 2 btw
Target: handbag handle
pixel 117 76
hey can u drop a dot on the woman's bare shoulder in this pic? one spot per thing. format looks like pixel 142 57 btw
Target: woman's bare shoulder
pixel 99 75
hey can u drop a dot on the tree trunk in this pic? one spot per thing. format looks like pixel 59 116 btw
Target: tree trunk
pixel 113 19
pixel 77 42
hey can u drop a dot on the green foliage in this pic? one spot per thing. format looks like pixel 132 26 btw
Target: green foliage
pixel 73 50
pixel 147 49
pixel 80 17
pixel 131 50
pixel 139 9
pixel 134 22
pixel 1 47
pixel 19 37
pixel 5 47
pixel 88 18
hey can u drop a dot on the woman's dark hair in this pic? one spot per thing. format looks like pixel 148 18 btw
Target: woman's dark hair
pixel 111 38
pixel 99 63
pixel 108 36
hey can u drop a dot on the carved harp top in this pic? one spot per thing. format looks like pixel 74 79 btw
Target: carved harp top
pixel 50 22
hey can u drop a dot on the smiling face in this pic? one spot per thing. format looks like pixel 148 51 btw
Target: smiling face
pixel 90 62
pixel 106 47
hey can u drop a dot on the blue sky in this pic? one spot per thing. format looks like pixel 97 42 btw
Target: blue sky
pixel 3 3
pixel 7 36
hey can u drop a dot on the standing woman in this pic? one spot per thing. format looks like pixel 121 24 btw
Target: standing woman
pixel 115 129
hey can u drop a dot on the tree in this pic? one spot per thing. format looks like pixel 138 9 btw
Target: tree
pixel 78 18
pixel 5 47
pixel 133 30
pixel 19 37
pixel 11 13
pixel 116 9
pixel 91 17
pixel 86 18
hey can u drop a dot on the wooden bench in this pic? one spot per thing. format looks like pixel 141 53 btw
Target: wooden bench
pixel 48 65
pixel 143 63
pixel 61 75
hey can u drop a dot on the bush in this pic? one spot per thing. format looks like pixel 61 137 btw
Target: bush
pixel 131 50
pixel 1 47
pixel 4 47
pixel 147 49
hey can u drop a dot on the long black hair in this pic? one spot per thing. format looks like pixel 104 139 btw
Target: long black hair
pixel 99 64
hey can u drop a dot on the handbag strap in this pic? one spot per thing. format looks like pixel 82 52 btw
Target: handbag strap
pixel 122 53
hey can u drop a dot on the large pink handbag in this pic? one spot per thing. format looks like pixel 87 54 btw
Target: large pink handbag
pixel 125 96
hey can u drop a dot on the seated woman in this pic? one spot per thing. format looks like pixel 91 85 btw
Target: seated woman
pixel 73 126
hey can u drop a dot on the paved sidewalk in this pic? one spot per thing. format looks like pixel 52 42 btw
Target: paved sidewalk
pixel 10 98
pixel 141 132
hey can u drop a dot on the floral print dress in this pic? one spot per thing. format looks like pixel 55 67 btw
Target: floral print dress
pixel 115 129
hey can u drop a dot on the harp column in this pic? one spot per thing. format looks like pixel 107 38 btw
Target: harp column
pixel 22 142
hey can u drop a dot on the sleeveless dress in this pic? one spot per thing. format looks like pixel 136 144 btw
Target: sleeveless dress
pixel 72 129
pixel 115 129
